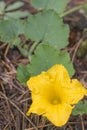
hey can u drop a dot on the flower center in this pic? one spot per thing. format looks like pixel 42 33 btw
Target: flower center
pixel 55 101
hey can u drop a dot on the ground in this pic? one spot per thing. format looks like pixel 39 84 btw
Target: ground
pixel 15 99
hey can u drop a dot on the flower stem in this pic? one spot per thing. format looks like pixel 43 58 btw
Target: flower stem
pixel 32 50
pixel 73 10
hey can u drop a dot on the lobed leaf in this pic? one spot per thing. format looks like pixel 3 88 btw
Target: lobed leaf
pixel 57 5
pixel 14 6
pixel 47 27
pixel 46 56
pixel 17 14
pixel 22 74
pixel 10 30
pixel 2 6
pixel 80 108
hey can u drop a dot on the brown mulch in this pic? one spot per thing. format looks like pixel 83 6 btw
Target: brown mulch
pixel 15 98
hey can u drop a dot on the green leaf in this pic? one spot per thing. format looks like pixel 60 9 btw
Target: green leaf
pixel 47 27
pixel 80 108
pixel 17 14
pixel 85 7
pixel 57 5
pixel 46 56
pixel 82 51
pixel 10 30
pixel 22 74
pixel 2 6
pixel 14 6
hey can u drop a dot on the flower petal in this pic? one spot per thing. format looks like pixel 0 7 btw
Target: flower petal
pixel 60 75
pixel 59 114
pixel 38 106
pixel 40 84
pixel 75 93
pixel 61 79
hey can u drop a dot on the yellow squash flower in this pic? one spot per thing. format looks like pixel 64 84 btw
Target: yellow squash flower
pixel 54 94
